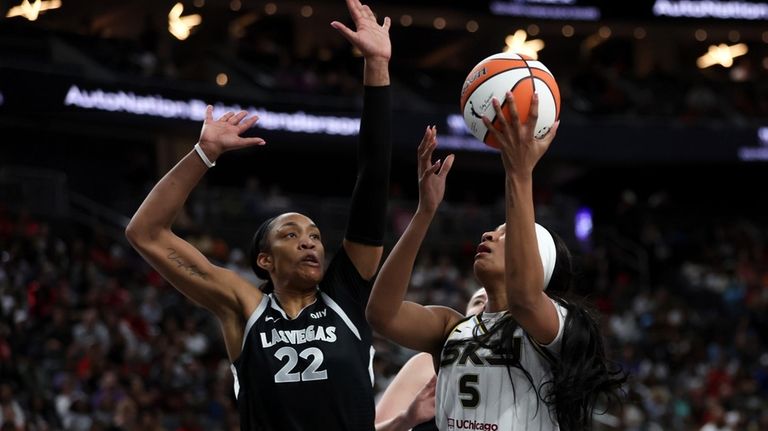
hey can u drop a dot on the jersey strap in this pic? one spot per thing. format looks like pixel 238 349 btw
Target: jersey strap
pixel 335 307
pixel 254 317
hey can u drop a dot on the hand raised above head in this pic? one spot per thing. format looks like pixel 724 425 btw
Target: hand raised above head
pixel 432 176
pixel 520 149
pixel 370 38
pixel 218 136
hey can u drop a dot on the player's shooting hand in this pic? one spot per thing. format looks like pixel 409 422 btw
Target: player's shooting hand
pixel 520 150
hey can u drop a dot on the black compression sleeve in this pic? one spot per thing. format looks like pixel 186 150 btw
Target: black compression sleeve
pixel 368 211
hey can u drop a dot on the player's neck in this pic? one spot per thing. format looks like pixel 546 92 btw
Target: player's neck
pixel 497 300
pixel 292 301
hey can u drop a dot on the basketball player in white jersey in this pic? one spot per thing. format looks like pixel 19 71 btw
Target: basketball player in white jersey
pixel 532 360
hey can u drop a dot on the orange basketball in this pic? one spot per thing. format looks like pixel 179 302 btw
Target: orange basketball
pixel 503 72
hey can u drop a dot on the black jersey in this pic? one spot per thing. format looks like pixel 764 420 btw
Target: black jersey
pixel 429 425
pixel 313 372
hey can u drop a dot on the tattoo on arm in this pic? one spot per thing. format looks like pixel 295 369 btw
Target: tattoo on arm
pixel 192 270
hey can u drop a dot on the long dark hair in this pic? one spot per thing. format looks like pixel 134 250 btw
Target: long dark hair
pixel 582 375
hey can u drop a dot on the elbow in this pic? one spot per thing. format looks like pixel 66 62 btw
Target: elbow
pixel 132 233
pixel 521 304
pixel 376 319
pixel 138 235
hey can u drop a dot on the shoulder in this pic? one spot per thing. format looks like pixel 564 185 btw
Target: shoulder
pixel 420 361
pixel 457 325
pixel 419 368
pixel 561 307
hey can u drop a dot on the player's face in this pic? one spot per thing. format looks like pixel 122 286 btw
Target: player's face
pixel 296 252
pixel 477 302
pixel 489 259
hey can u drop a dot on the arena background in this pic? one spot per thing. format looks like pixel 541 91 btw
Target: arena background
pixel 657 179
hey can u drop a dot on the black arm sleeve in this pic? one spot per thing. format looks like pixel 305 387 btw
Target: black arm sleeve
pixel 368 211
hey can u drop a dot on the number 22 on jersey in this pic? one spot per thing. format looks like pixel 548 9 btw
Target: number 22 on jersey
pixel 289 372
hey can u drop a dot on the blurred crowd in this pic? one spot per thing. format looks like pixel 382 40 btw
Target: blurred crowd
pixel 91 338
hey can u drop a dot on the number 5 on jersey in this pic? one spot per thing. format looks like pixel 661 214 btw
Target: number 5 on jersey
pixel 470 396
pixel 313 371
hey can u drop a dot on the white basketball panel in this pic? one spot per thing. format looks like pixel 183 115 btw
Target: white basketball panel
pixel 535 64
pixel 480 101
pixel 547 109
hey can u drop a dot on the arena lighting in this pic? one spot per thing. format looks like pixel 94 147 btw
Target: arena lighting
pixel 194 110
pixel 721 54
pixel 180 26
pixel 517 43
pixel 32 10
pixel 457 125
pixel 582 223
pixel 711 9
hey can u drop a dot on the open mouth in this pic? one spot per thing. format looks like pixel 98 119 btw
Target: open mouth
pixel 310 259
pixel 482 248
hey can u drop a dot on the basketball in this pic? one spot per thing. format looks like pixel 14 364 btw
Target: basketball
pixel 496 75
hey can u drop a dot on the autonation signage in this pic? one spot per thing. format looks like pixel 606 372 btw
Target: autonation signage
pixel 711 9
pixel 548 9
pixel 759 153
pixel 194 110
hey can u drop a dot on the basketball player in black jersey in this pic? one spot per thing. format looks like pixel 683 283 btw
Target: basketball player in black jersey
pixel 300 347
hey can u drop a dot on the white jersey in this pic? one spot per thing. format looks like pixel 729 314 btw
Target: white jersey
pixel 474 391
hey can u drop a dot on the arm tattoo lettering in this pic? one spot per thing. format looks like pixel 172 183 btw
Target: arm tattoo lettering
pixel 192 270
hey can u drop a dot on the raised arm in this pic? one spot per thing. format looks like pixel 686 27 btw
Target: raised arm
pixel 524 275
pixel 149 231
pixel 410 398
pixel 406 323
pixel 363 241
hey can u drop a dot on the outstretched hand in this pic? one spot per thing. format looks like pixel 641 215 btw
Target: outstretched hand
pixel 431 175
pixel 422 408
pixel 520 150
pixel 218 136
pixel 370 38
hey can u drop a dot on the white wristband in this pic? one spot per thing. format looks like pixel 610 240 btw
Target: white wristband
pixel 202 155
